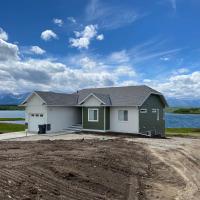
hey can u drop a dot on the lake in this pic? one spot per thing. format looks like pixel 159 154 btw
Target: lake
pixel 172 120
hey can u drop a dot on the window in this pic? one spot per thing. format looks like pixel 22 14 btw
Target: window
pixel 37 115
pixel 143 110
pixel 154 110
pixel 158 115
pixel 32 115
pixel 123 115
pixel 41 115
pixel 93 115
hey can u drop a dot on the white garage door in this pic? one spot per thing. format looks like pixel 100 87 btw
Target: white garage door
pixel 35 119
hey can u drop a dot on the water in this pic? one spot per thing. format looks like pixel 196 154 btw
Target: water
pixel 172 120
pixel 12 114
pixel 182 120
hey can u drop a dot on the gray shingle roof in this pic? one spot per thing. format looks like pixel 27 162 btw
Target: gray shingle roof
pixel 111 96
pixel 123 96
pixel 52 98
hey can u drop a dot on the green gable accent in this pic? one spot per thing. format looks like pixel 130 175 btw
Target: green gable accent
pixel 148 121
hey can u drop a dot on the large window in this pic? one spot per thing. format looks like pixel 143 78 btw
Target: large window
pixel 123 115
pixel 93 115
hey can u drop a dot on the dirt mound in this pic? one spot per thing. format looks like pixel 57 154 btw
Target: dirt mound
pixel 87 169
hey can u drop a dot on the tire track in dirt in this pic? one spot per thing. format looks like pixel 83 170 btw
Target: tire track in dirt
pixel 187 167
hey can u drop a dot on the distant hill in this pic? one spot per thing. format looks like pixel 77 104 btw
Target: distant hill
pixel 12 99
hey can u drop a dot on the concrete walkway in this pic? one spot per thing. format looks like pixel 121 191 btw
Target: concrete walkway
pixel 57 136
pixel 14 135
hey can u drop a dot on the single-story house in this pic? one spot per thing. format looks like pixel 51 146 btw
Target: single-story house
pixel 130 109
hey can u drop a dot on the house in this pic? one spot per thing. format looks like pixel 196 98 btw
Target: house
pixel 131 109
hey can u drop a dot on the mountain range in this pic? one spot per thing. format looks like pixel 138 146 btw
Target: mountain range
pixel 15 99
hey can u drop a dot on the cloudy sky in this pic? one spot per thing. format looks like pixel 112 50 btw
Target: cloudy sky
pixel 64 46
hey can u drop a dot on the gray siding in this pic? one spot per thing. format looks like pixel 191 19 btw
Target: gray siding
pixel 148 121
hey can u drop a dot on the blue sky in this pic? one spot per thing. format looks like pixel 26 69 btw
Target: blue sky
pixel 64 45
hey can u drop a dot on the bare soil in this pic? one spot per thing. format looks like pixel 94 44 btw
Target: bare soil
pixel 114 169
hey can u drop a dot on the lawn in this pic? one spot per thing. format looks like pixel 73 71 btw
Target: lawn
pixel 183 132
pixel 5 128
pixel 11 107
pixel 12 119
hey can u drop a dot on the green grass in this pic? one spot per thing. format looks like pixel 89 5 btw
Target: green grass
pixel 5 128
pixel 11 107
pixel 183 132
pixel 11 119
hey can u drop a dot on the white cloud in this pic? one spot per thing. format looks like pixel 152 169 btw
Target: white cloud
pixel 87 63
pixel 48 35
pixel 84 37
pixel 125 71
pixel 165 58
pixel 179 86
pixel 22 75
pixel 37 50
pixel 3 35
pixel 72 19
pixel 110 16
pixel 58 22
pixel 100 37
pixel 120 56
pixel 80 71
pixel 8 51
pixel 181 71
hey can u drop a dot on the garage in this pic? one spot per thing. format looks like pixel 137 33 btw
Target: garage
pixel 35 119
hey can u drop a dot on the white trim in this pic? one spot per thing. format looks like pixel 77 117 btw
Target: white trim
pixel 30 96
pixel 154 110
pixel 91 94
pixel 97 120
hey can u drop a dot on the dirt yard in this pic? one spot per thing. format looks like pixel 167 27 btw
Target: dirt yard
pixel 123 168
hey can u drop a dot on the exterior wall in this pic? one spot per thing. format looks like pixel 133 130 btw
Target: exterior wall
pixel 148 121
pixel 61 118
pixel 130 126
pixel 93 125
pixel 35 105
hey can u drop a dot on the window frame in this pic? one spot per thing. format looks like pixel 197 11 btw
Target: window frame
pixel 123 116
pixel 143 110
pixel 93 109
